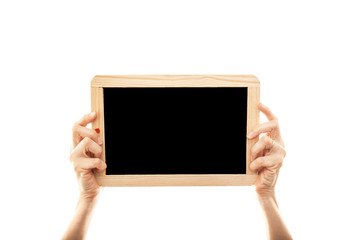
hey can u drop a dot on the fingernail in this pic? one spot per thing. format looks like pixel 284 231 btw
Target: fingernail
pixel 104 165
pixel 251 166
pixel 250 134
pixel 92 114
pixel 97 130
pixel 99 141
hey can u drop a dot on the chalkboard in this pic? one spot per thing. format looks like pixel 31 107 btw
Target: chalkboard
pixel 175 130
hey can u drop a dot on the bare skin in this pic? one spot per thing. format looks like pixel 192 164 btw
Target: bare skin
pixel 84 156
pixel 266 158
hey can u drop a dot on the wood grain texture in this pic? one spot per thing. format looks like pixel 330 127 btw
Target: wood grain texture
pixel 97 105
pixel 177 180
pixel 174 81
pixel 252 121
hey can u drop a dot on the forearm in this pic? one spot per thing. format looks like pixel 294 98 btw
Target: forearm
pixel 80 222
pixel 276 226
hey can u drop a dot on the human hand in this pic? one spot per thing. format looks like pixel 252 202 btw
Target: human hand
pixel 267 154
pixel 85 156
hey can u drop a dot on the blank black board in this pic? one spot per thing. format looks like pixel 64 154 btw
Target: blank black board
pixel 175 130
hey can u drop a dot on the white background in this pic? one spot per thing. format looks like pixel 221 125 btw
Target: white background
pixel 306 55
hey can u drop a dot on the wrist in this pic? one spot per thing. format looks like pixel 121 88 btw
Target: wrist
pixel 90 197
pixel 88 202
pixel 267 199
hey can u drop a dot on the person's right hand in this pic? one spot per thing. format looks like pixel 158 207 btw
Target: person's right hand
pixel 85 156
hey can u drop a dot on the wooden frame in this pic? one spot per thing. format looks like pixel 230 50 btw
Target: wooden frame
pixel 249 81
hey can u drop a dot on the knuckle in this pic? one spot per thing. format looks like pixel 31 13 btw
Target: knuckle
pixel 260 161
pixel 100 150
pixel 276 122
pixel 97 162
pixel 86 140
pixel 85 151
pixel 97 152
pixel 252 166
pixel 71 157
pixel 252 150
pixel 278 160
pixel 280 164
pixel 74 127
pixel 93 134
pixel 76 167
pixel 282 150
pixel 266 139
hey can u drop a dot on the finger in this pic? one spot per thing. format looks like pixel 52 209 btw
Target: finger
pixel 271 127
pixel 82 132
pixel 86 164
pixel 86 119
pixel 264 143
pixel 86 147
pixel 266 110
pixel 273 161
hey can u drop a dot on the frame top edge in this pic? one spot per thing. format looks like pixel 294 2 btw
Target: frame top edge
pixel 98 79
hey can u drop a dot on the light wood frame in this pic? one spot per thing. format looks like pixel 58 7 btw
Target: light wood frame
pixel 249 81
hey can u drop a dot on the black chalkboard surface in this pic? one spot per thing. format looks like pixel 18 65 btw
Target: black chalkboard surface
pixel 175 130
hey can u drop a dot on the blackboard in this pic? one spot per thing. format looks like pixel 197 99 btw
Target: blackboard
pixel 175 130
pixel 160 130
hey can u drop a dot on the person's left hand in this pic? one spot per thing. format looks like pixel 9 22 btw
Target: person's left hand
pixel 267 154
